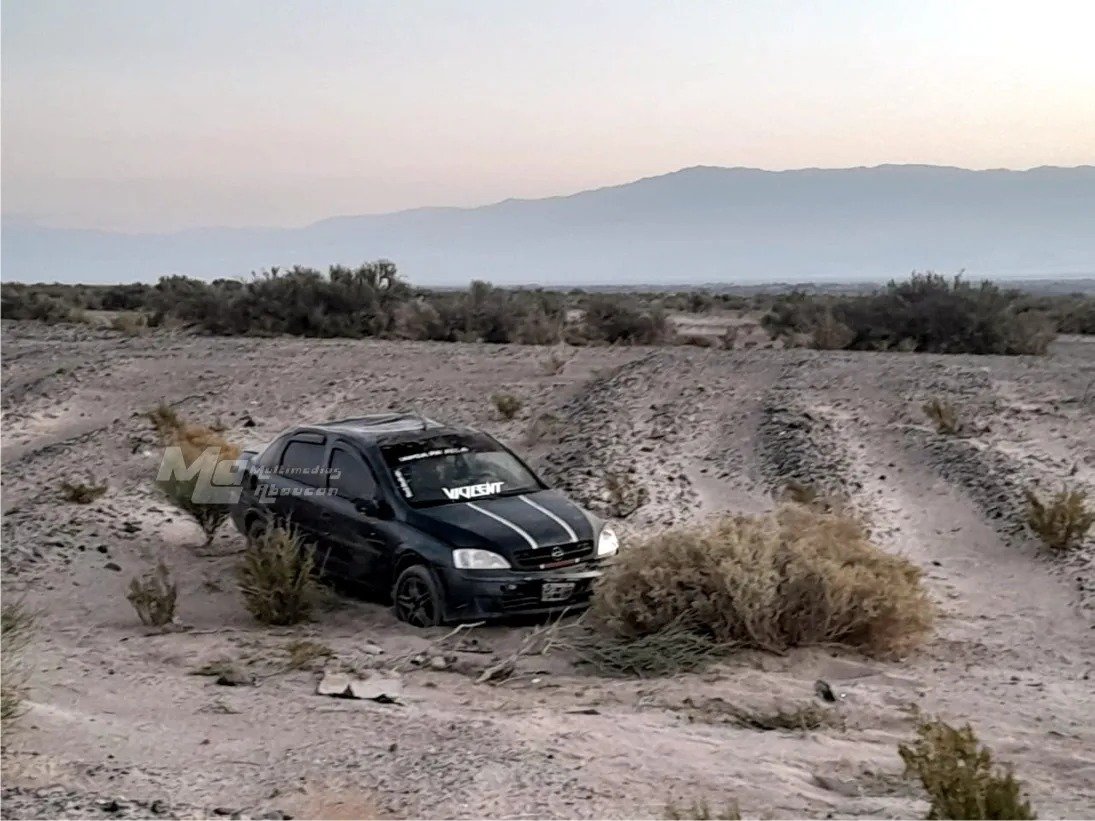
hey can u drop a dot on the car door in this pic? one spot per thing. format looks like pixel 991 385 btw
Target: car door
pixel 359 545
pixel 292 485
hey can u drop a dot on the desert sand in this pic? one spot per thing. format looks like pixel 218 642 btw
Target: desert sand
pixel 117 724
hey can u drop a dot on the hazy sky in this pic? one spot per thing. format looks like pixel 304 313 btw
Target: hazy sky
pixel 163 114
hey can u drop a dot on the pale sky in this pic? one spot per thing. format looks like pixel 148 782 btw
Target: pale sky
pixel 166 114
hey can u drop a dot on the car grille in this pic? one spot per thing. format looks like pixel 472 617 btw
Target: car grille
pixel 543 558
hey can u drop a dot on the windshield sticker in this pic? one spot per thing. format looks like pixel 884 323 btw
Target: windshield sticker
pixel 406 488
pixel 473 491
pixel 426 454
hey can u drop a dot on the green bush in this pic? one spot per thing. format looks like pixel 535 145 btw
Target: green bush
pixel 928 312
pixel 960 777
pixel 1061 522
pixel 275 578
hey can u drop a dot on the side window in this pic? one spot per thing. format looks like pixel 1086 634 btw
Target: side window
pixel 303 462
pixel 350 476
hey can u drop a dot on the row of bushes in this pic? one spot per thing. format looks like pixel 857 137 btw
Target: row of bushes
pixel 927 312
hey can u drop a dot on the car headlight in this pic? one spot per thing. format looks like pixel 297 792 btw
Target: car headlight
pixel 607 543
pixel 471 559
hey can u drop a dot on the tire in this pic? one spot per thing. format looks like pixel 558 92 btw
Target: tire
pixel 416 597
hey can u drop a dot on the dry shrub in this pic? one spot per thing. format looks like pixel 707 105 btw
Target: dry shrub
pixel 625 494
pixel 959 775
pixel 543 425
pixel 16 629
pixel 153 596
pixel 81 493
pixel 678 648
pixel 554 363
pixel 830 334
pixel 794 577
pixel 1063 521
pixel 304 653
pixel 507 404
pixel 130 323
pixel 810 496
pixel 944 414
pixel 275 578
pixel 794 719
pixel 193 442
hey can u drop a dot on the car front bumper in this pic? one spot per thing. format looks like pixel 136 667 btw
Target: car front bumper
pixel 486 594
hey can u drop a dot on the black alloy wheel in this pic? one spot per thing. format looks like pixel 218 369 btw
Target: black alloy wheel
pixel 416 598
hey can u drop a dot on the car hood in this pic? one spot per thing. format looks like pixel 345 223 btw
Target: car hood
pixel 505 524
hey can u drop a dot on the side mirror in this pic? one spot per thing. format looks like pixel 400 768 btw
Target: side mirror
pixel 374 508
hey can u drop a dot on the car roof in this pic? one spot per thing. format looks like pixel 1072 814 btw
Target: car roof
pixel 385 427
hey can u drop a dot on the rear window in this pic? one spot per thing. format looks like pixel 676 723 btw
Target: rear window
pixel 456 468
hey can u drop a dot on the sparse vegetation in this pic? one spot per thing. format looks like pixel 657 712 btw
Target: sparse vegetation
pixel 275 578
pixel 304 653
pixel 810 496
pixel 554 363
pixel 1062 521
pixel 944 415
pixel 927 312
pixel 194 442
pixel 507 404
pixel 625 494
pixel 676 648
pixel 153 595
pixel 792 578
pixel 81 493
pixel 960 776
pixel 799 719
pixel 16 629
pixel 130 323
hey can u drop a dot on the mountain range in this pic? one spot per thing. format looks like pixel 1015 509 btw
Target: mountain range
pixel 698 225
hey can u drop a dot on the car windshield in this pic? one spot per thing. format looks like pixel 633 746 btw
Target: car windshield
pixel 456 468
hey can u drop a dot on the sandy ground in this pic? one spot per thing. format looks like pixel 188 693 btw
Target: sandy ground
pixel 118 726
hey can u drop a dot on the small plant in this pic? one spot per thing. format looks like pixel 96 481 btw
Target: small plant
pixel 507 404
pixel 959 775
pixel 830 334
pixel 797 719
pixel 554 363
pixel 16 629
pixel 153 596
pixel 165 420
pixel 701 811
pixel 544 425
pixel 81 493
pixel 809 496
pixel 209 516
pixel 1063 521
pixel 625 495
pixel 303 653
pixel 944 414
pixel 130 323
pixel 275 578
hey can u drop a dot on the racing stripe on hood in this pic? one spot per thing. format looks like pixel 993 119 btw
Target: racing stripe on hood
pixel 516 529
pixel 569 530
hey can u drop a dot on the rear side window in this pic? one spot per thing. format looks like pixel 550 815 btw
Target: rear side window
pixel 351 477
pixel 303 462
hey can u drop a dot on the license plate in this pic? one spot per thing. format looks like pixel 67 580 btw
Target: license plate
pixel 557 591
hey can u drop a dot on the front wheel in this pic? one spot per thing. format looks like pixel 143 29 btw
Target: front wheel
pixel 416 597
